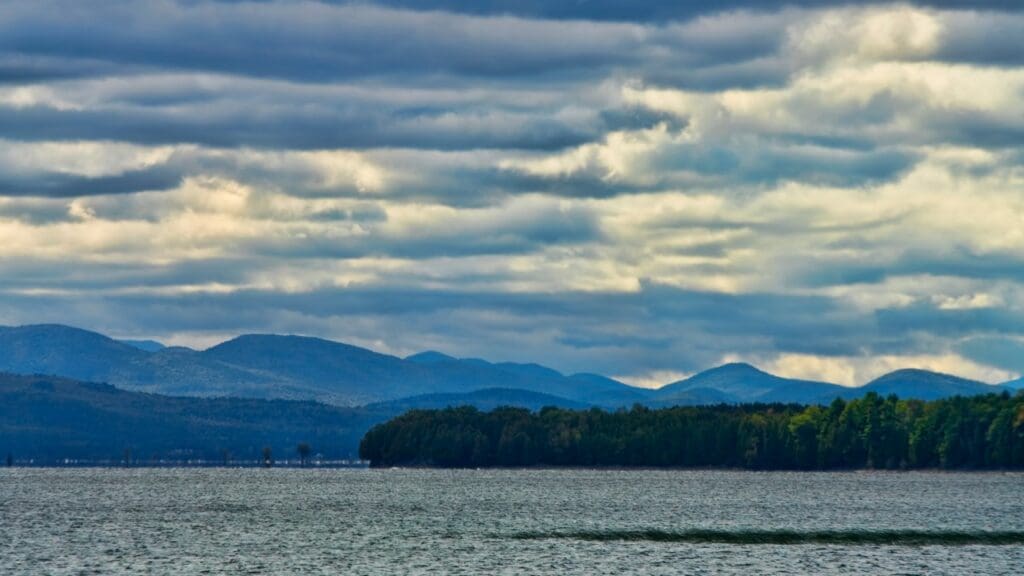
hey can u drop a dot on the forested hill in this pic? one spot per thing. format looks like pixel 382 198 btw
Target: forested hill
pixel 47 420
pixel 871 432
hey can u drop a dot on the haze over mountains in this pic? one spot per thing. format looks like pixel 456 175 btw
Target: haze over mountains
pixel 305 368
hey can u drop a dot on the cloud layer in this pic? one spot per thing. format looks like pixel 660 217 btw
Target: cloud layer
pixel 828 190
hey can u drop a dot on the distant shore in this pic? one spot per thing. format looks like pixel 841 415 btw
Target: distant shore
pixel 959 433
pixel 326 464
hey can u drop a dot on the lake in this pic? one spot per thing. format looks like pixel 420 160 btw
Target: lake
pixel 303 521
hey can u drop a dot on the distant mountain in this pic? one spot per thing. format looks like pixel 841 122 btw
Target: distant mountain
pixel 739 382
pixel 64 351
pixel 692 397
pixel 329 371
pixel 145 345
pixel 606 392
pixel 83 355
pixel 47 418
pixel 1017 384
pixel 273 366
pixel 486 399
pixel 925 385
pixel 530 370
pixel 804 392
pixel 587 389
pixel 304 368
pixel 430 357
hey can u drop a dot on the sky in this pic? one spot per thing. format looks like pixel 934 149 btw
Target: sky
pixel 642 189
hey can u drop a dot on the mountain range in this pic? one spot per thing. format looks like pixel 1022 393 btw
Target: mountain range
pixel 267 366
pixel 287 367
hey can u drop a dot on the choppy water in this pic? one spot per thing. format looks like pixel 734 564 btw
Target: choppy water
pixel 217 521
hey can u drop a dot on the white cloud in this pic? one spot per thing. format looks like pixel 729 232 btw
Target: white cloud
pixel 858 370
pixel 82 158
pixel 655 379
pixel 872 34
pixel 869 158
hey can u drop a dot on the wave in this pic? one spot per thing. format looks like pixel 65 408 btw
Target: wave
pixel 792 537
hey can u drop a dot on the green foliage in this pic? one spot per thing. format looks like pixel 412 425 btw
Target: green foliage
pixel 870 432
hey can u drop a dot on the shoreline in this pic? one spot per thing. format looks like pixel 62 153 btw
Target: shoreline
pixel 364 466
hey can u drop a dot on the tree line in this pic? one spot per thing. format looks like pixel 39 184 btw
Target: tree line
pixel 978 432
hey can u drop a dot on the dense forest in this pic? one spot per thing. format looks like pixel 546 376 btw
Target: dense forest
pixel 871 432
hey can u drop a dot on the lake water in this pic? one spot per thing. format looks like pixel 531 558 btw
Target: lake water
pixel 289 521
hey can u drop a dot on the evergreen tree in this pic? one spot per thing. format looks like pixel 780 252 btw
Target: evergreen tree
pixel 870 432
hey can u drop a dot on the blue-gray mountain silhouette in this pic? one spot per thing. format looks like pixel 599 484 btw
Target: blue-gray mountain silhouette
pixel 486 399
pixel 1017 384
pixel 926 385
pixel 739 382
pixel 290 367
pixel 146 345
pixel 305 368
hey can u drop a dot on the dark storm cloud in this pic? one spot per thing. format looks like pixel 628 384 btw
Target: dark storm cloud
pixel 932 319
pixel 1004 353
pixel 982 129
pixel 463 244
pixel 657 328
pixel 23 274
pixel 310 41
pixel 769 164
pixel 68 185
pixel 984 37
pixel 296 127
pixel 960 263
pixel 760 163
pixel 654 10
pixel 501 238
pixel 567 329
pixel 20 68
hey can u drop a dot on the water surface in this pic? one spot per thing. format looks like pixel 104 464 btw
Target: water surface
pixel 284 521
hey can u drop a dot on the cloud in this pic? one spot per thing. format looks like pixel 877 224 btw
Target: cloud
pixel 310 40
pixel 1004 353
pixel 517 325
pixel 655 10
pixel 856 371
pixel 641 189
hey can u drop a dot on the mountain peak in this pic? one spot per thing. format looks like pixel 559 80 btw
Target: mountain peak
pixel 926 385
pixel 430 357
pixel 284 344
pixel 274 338
pixel 744 382
pixel 919 373
pixel 48 335
pixel 57 329
pixel 736 367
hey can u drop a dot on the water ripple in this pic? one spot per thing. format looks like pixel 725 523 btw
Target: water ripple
pixel 790 537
